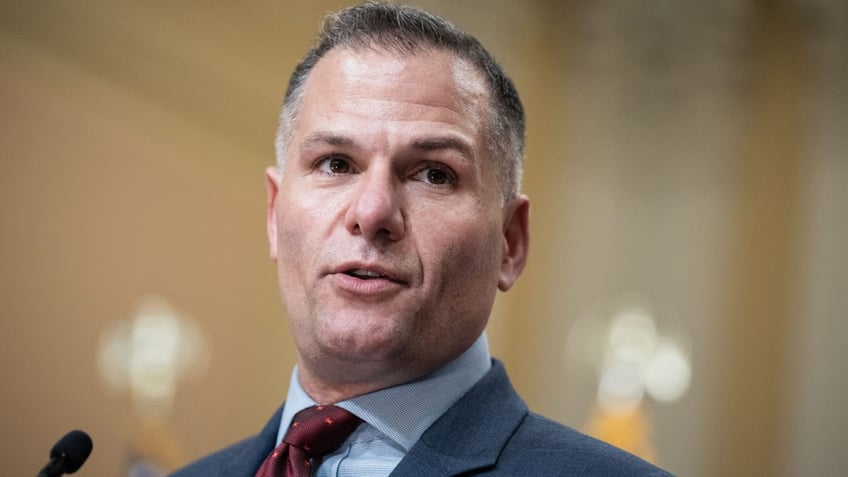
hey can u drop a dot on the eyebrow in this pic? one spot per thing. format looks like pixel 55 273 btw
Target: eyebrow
pixel 325 138
pixel 444 143
pixel 425 144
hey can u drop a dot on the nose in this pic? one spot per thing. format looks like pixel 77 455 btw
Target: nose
pixel 375 211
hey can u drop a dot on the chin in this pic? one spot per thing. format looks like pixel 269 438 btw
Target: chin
pixel 364 341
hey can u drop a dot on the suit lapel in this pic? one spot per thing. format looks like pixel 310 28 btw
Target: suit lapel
pixel 246 462
pixel 471 434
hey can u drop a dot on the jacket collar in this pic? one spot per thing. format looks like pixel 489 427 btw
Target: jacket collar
pixel 472 433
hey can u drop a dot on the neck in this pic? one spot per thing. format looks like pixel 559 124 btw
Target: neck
pixel 324 393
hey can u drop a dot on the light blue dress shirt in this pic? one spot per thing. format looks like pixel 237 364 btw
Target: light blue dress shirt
pixel 394 418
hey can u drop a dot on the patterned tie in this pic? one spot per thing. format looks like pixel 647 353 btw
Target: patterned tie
pixel 315 432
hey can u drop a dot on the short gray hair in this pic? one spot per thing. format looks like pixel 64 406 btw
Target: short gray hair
pixel 407 30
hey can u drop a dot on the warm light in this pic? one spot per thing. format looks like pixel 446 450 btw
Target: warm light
pixel 632 356
pixel 634 359
pixel 632 335
pixel 620 388
pixel 668 373
pixel 148 353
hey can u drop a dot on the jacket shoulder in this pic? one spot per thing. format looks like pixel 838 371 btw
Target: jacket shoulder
pixel 213 464
pixel 541 446
pixel 241 459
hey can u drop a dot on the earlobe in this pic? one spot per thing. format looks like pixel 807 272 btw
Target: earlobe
pixel 272 185
pixel 516 235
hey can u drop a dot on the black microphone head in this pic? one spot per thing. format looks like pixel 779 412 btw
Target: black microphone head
pixel 74 448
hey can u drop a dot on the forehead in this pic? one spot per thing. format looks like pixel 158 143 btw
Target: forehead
pixel 389 83
pixel 361 63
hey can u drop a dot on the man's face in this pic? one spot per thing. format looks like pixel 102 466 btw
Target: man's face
pixel 387 226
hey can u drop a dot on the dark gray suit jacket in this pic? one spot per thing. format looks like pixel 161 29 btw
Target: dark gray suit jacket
pixel 489 431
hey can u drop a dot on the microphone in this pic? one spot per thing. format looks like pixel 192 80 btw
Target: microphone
pixel 68 455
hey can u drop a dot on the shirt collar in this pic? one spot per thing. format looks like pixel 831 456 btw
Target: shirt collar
pixel 404 412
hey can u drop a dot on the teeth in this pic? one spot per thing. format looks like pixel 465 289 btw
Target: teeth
pixel 366 273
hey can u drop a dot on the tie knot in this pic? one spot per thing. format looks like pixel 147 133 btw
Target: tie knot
pixel 317 430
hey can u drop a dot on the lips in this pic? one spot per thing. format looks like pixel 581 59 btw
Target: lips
pixel 366 282
pixel 368 272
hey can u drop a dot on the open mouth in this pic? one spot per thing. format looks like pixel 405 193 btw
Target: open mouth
pixel 365 274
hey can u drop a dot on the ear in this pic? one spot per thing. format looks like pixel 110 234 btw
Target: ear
pixel 516 235
pixel 272 184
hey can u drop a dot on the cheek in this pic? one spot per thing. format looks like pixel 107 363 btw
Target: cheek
pixel 292 250
pixel 305 222
pixel 302 221
pixel 469 261
pixel 289 239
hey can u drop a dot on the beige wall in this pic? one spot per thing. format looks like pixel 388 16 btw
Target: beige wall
pixel 691 152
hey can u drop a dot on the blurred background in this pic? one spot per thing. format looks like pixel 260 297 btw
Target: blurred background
pixel 686 161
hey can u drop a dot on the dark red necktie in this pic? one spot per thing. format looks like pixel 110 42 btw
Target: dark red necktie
pixel 315 432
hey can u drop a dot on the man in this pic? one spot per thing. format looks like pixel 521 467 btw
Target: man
pixel 394 216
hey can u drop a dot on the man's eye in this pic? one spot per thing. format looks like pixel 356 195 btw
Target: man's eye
pixel 334 165
pixel 435 176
